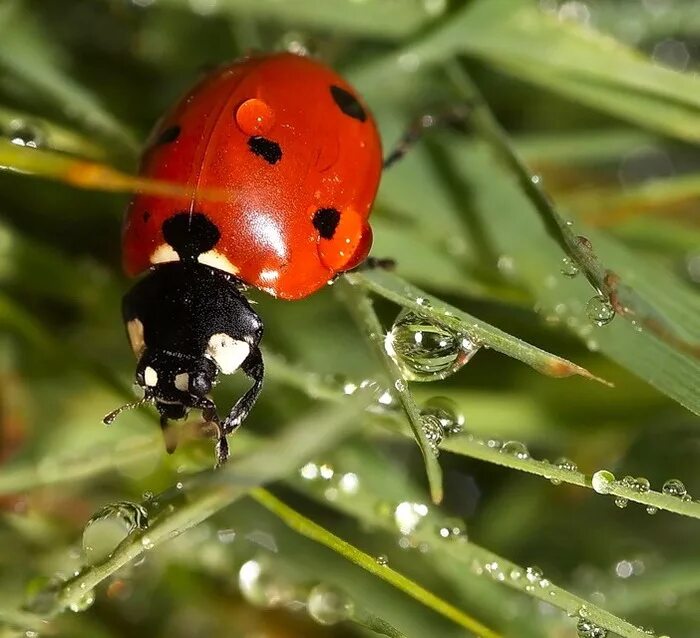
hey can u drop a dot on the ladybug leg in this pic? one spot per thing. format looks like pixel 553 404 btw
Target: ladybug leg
pixel 169 436
pixel 210 415
pixel 254 368
pixel 452 118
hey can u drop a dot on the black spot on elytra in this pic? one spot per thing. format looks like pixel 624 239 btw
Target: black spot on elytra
pixel 146 216
pixel 267 149
pixel 169 135
pixel 348 103
pixel 190 234
pixel 326 221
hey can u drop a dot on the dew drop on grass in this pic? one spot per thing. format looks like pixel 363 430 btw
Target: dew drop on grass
pixel 600 311
pixel 84 602
pixel 109 526
pixel 328 605
pixel 434 432
pixel 22 133
pixel 426 350
pixel 566 464
pixel 621 502
pixel 261 584
pixel 447 413
pixel 453 529
pixel 515 448
pixel 586 628
pixel 674 487
pixel 639 484
pixel 603 481
pixel 382 560
pixel 569 267
pixel 651 510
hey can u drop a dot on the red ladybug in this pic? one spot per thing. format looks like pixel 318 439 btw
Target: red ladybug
pixel 296 160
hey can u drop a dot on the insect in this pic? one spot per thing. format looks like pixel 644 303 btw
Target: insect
pixel 298 158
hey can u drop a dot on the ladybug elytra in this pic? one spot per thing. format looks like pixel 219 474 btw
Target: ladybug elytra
pixel 300 158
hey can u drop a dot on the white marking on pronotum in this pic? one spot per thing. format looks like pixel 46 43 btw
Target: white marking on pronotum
pixel 164 254
pixel 228 353
pixel 150 377
pixel 134 329
pixel 218 260
pixel 182 381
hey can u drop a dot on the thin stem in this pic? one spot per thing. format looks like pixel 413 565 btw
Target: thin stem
pixel 315 532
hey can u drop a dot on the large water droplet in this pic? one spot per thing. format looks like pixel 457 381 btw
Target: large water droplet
pixel 603 481
pixel 426 350
pixel 109 526
pixel 588 629
pixel 446 411
pixel 515 448
pixel 674 487
pixel 329 605
pixel 408 516
pixel 600 311
pixel 262 585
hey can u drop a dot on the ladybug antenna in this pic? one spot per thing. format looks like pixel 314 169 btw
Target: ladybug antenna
pixel 109 419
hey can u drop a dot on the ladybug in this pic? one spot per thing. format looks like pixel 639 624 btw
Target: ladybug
pixel 296 158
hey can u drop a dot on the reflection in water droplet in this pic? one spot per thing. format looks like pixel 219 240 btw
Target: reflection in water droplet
pixel 674 487
pixel 382 560
pixel 600 311
pixel 621 502
pixel 446 411
pixel 515 448
pixel 255 117
pixel 425 350
pixel 329 605
pixel 433 432
pixel 569 267
pixel 639 484
pixel 603 481
pixel 109 526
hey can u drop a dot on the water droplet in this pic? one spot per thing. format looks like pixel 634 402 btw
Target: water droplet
pixel 674 487
pixel 408 516
pixel 621 502
pixel 566 464
pixel 569 267
pixel 446 411
pixel 147 542
pixel 326 472
pixel 382 560
pixel 109 526
pixel 603 481
pixel 600 311
pixel 329 605
pixel 588 629
pixel 624 569
pixel 226 536
pixel 23 133
pixel 533 574
pixel 255 117
pixel 426 350
pixel 261 584
pixel 433 432
pixel 453 529
pixel 652 510
pixel 639 484
pixel 309 471
pixel 515 448
pixel 84 602
pixel 349 483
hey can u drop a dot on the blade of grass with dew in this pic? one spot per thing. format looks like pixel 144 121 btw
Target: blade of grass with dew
pixel 666 312
pixel 514 32
pixel 401 292
pixel 361 308
pixel 211 491
pixel 32 57
pixel 312 530
pixel 468 559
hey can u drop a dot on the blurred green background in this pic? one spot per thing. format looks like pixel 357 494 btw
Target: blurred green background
pixel 601 101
